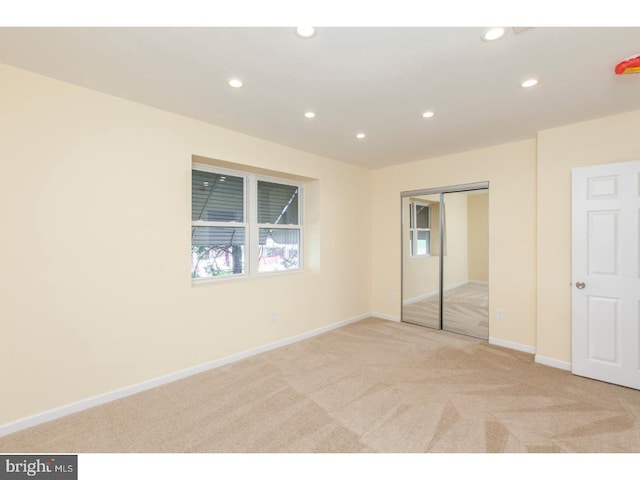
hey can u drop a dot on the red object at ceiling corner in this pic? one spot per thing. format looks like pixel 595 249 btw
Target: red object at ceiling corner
pixel 628 65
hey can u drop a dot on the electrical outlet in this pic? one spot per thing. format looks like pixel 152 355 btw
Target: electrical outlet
pixel 499 314
pixel 394 296
pixel 273 317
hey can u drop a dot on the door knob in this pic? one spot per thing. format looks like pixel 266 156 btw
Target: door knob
pixel 580 285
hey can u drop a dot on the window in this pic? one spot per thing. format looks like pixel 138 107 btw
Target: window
pixel 243 224
pixel 279 227
pixel 218 228
pixel 419 228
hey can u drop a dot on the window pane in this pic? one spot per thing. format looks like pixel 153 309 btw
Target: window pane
pixel 279 249
pixel 411 207
pixel 422 247
pixel 217 251
pixel 277 203
pixel 216 197
pixel 422 216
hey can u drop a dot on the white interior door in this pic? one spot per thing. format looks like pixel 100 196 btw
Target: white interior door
pixel 606 273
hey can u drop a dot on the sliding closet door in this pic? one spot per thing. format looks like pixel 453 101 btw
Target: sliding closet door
pixel 421 260
pixel 465 265
pixel 445 258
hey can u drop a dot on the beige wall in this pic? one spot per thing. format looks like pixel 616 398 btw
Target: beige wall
pixel 478 235
pixel 511 171
pixel 606 140
pixel 95 289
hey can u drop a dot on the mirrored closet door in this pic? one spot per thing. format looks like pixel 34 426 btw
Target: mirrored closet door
pixel 445 258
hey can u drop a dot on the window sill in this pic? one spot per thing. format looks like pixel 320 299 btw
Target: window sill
pixel 197 282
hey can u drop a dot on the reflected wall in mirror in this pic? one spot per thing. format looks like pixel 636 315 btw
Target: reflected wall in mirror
pixel 456 225
pixel 465 303
pixel 421 262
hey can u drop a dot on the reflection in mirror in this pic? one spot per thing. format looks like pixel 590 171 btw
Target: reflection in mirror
pixel 420 260
pixel 463 307
pixel 465 304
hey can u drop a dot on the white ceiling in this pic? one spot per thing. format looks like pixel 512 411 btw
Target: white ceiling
pixel 378 80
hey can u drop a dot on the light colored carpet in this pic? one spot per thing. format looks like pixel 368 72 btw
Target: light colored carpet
pixel 372 386
pixel 465 310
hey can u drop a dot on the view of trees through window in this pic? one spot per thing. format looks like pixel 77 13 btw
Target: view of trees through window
pixel 220 243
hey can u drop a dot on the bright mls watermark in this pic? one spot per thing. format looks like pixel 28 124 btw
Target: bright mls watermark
pixel 50 467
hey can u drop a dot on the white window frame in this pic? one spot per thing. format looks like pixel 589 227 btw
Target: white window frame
pixel 251 225
pixel 413 230
pixel 253 215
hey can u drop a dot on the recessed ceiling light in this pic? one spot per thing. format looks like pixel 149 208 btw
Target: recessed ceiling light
pixel 532 82
pixel 360 136
pixel 493 34
pixel 310 115
pixel 235 83
pixel 306 32
pixel 428 114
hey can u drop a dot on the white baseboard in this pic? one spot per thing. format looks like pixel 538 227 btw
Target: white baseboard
pixel 552 362
pixel 419 298
pixel 384 316
pixel 512 345
pixel 87 403
pixel 436 292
